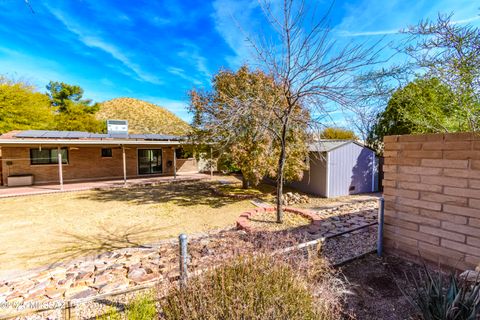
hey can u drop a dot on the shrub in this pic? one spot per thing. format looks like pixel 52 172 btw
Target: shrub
pixel 441 297
pixel 245 288
pixel 141 308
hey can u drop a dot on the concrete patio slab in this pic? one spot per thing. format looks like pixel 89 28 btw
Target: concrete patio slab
pixel 6 192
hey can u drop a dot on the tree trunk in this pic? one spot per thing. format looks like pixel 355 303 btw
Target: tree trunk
pixel 281 166
pixel 245 183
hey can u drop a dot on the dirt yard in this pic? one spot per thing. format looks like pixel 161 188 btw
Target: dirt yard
pixel 373 285
pixel 42 229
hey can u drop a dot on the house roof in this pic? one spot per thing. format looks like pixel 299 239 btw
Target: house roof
pixel 327 145
pixel 84 138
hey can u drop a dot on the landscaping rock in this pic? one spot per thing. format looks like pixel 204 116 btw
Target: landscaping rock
pixel 77 290
pixel 136 273
pixel 120 284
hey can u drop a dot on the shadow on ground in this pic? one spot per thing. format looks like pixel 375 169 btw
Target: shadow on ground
pixel 178 193
pixel 105 240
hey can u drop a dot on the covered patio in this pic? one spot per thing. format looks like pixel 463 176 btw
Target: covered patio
pixel 64 160
pixel 6 192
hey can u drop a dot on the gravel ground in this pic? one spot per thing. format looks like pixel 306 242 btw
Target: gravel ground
pixel 340 249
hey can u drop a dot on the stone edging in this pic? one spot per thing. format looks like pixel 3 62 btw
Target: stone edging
pixel 243 222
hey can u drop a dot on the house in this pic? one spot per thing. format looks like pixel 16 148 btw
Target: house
pixel 339 168
pixel 37 156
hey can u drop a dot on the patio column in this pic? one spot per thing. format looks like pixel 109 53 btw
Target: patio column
pixel 60 167
pixel 174 163
pixel 124 157
pixel 211 163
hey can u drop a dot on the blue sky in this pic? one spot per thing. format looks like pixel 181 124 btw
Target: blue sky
pixel 158 50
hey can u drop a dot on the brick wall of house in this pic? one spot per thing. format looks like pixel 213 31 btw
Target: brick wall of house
pixel 85 163
pixel 432 197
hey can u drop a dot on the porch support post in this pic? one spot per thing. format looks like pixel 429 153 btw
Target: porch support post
pixel 174 163
pixel 60 167
pixel 211 162
pixel 124 158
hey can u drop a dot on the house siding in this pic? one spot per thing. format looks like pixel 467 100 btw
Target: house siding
pixel 350 170
pixel 86 163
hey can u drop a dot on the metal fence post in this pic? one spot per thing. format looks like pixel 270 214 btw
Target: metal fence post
pixel 67 311
pixel 183 259
pixel 381 214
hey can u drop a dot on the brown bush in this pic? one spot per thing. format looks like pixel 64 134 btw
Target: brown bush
pixel 251 287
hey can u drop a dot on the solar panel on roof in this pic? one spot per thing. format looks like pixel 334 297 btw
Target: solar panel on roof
pixel 117 136
pixel 30 134
pixel 54 134
pixel 77 135
pixel 137 136
pixel 156 136
pixel 97 135
pixel 50 134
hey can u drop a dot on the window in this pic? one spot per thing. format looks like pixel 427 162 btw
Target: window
pixel 48 156
pixel 106 152
pixel 180 153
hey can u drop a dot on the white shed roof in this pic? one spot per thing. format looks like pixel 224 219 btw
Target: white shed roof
pixel 327 145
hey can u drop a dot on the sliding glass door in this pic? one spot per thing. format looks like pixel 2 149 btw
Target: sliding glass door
pixel 149 161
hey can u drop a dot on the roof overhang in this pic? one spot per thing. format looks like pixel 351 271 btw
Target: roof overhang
pixel 67 142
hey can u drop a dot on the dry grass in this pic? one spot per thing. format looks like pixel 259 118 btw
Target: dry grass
pixel 47 228
pixel 267 221
pixel 263 191
pixel 240 288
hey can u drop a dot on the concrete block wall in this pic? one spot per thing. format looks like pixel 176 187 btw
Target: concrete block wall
pixel 432 197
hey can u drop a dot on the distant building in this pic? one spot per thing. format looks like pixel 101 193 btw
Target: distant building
pixel 339 168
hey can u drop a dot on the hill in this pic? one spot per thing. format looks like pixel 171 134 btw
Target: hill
pixel 142 116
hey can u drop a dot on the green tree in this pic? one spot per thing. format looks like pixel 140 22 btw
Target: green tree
pixel 77 119
pixel 450 52
pixel 233 117
pixel 338 133
pixel 61 93
pixel 73 112
pixel 423 106
pixel 22 108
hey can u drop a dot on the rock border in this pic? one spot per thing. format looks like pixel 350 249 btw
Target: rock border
pixel 243 221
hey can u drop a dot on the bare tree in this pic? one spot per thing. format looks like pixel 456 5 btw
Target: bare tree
pixel 449 51
pixel 374 91
pixel 313 69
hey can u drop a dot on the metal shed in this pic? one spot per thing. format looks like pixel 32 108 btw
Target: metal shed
pixel 339 168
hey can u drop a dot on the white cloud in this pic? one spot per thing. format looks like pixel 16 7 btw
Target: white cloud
pixel 192 55
pixel 367 33
pixel 378 17
pixel 179 72
pixel 94 41
pixel 231 18
pixel 466 20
